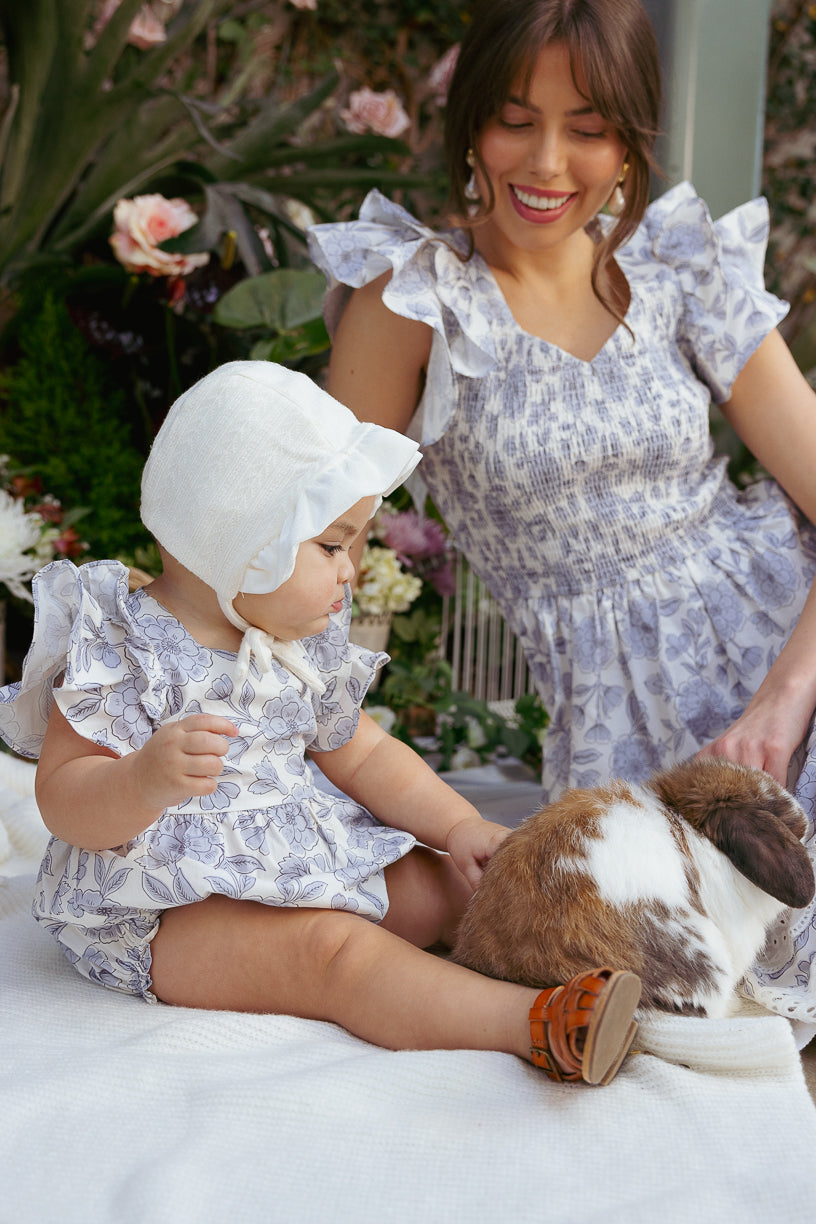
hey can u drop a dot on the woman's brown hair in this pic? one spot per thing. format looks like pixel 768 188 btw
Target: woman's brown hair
pixel 613 52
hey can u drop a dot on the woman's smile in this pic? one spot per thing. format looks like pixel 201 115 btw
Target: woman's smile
pixel 546 206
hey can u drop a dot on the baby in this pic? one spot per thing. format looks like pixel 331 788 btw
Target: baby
pixel 194 860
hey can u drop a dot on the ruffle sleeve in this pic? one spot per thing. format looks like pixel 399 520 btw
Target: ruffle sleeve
pixel 430 283
pixel 719 264
pixel 88 655
pixel 348 670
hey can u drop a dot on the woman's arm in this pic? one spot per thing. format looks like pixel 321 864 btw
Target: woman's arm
pixel 377 366
pixel 378 359
pixel 388 778
pixel 773 409
pixel 90 797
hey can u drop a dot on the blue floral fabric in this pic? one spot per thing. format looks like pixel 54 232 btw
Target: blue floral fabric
pixel 650 595
pixel 266 834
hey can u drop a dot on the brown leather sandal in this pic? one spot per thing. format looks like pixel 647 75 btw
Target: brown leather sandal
pixel 584 1029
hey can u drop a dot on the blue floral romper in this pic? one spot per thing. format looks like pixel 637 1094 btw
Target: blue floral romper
pixel 651 596
pixel 267 833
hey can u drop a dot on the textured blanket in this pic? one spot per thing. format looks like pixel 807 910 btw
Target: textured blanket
pixel 114 1111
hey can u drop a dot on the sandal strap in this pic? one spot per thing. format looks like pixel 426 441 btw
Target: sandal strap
pixel 559 1019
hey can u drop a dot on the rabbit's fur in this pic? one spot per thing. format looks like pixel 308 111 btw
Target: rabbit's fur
pixel 677 879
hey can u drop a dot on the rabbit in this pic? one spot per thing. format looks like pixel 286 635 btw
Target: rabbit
pixel 676 879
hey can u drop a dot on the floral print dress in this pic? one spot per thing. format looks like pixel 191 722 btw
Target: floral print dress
pixel 266 834
pixel 650 595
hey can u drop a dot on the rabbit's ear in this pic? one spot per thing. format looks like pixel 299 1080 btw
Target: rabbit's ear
pixel 764 850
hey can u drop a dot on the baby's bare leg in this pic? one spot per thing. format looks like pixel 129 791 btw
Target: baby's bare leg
pixel 330 965
pixel 427 895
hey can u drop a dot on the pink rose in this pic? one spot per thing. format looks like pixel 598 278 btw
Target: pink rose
pixel 439 78
pixel 381 113
pixel 143 222
pixel 304 4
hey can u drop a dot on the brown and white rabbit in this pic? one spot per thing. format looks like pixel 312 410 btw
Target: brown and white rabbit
pixel 677 880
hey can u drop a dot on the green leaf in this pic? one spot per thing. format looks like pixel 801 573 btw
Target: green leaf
pixel 289 347
pixel 337 148
pixel 279 300
pixel 252 147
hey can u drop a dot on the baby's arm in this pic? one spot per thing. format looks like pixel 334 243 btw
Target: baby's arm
pixel 397 787
pixel 90 797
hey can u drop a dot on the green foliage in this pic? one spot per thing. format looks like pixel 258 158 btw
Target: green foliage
pixel 81 127
pixel 788 181
pixel 379 27
pixel 436 719
pixel 63 418
pixel 465 721
pixel 84 126
pixel 288 303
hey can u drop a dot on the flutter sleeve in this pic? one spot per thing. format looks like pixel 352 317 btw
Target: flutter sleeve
pixel 88 655
pixel 719 264
pixel 430 283
pixel 348 670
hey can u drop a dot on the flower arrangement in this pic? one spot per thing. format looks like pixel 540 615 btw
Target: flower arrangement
pixel 405 552
pixel 383 586
pixel 34 529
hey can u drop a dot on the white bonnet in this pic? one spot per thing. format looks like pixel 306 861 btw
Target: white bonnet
pixel 253 460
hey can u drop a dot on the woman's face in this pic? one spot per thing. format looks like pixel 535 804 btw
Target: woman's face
pixel 551 159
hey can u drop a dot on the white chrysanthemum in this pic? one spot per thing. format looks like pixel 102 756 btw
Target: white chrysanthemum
pixel 382 716
pixel 20 532
pixel 383 585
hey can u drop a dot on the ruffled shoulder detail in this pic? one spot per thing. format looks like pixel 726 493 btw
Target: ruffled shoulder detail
pixel 720 268
pixel 348 670
pixel 86 645
pixel 431 283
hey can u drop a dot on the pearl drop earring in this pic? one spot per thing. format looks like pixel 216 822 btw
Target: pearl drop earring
pixel 616 202
pixel 472 187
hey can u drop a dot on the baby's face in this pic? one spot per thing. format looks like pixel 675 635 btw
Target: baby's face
pixel 302 605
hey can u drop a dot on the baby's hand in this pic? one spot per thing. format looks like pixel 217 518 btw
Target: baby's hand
pixel 471 843
pixel 183 758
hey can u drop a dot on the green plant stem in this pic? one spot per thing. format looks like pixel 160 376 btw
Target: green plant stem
pixel 170 336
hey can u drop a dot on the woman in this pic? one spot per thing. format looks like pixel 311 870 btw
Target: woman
pixel 557 367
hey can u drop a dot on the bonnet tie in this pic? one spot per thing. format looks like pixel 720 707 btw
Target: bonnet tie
pixel 291 655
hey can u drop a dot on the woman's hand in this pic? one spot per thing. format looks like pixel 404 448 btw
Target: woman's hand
pixel 471 843
pixel 181 759
pixel 766 735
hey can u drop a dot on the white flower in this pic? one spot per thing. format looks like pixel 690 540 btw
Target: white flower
pixel 383 585
pixel 383 716
pixel 474 732
pixel 20 532
pixel 464 758
pixel 44 550
pixel 299 213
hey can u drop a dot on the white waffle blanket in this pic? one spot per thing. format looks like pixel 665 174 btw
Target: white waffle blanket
pixel 119 1113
